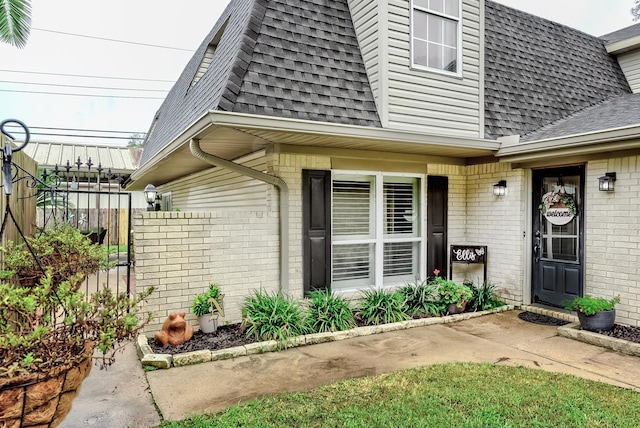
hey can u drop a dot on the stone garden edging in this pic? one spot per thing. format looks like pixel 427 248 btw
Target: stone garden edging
pixel 166 361
pixel 573 331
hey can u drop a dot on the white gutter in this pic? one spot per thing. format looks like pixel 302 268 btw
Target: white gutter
pixel 624 138
pixel 623 46
pixel 194 146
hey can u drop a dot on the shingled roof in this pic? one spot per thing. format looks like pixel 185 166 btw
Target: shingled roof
pixel 617 112
pixel 300 59
pixel 538 71
pixel 297 59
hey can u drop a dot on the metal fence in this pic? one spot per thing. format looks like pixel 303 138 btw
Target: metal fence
pixel 87 196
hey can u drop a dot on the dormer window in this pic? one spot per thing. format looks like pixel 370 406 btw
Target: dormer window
pixel 208 55
pixel 436 35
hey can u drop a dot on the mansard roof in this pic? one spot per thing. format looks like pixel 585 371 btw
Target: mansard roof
pixel 300 59
pixel 295 59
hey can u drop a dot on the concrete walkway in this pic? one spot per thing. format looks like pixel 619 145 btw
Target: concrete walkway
pixel 120 397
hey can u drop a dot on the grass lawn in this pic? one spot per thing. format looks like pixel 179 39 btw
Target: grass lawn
pixel 116 249
pixel 448 395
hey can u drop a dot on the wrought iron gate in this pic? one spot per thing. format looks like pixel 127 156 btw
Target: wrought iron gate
pixel 88 197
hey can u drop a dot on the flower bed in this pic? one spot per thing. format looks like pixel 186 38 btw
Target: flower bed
pixel 167 360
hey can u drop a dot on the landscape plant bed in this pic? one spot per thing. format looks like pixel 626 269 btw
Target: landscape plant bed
pixel 230 341
pixel 226 336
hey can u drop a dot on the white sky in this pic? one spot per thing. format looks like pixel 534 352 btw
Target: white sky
pixel 158 22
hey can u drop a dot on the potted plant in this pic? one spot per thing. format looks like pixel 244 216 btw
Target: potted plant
pixel 454 295
pixel 62 248
pixel 49 330
pixel 207 307
pixel 594 313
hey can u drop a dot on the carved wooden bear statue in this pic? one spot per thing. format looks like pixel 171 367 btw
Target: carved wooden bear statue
pixel 175 331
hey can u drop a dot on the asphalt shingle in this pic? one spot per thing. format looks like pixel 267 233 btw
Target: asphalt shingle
pixel 286 58
pixel 617 112
pixel 538 71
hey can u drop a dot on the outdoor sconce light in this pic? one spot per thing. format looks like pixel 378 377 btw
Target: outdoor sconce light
pixel 150 196
pixel 500 188
pixel 606 183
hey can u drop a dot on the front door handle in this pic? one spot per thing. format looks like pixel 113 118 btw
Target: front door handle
pixel 536 247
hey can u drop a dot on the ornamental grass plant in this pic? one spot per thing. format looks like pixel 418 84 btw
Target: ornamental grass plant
pixel 421 299
pixel 381 306
pixel 328 312
pixel 272 316
pixel 484 296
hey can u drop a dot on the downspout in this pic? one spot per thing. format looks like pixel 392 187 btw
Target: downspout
pixel 194 146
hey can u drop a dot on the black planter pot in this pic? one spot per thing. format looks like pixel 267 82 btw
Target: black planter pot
pixel 453 308
pixel 603 320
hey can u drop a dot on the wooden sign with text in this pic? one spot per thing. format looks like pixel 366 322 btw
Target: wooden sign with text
pixel 469 254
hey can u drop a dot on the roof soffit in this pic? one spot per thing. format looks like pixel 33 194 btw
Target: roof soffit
pixel 233 135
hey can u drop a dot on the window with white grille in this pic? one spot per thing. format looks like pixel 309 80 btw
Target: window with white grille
pixel 376 234
pixel 436 34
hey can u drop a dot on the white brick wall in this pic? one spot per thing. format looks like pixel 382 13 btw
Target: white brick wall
pixel 612 236
pixel 499 223
pixel 181 253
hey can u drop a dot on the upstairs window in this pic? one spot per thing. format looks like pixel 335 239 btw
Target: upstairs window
pixel 436 34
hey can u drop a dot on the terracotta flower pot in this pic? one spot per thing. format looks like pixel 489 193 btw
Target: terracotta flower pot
pixel 603 320
pixel 37 399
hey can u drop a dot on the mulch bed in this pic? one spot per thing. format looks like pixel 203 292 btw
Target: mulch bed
pixel 624 332
pixel 228 336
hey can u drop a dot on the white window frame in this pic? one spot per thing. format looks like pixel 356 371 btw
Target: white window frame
pixel 380 238
pixel 458 19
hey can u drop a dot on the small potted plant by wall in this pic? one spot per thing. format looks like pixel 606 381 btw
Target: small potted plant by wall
pixel 207 307
pixel 454 295
pixel 594 313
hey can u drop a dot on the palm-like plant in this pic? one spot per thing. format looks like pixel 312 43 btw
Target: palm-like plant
pixel 15 22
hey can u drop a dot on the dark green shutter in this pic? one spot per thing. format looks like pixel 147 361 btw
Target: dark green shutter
pixel 316 223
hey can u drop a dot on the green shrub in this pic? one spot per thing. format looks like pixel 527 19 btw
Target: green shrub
pixel 484 297
pixel 382 307
pixel 272 316
pixel 421 298
pixel 62 249
pixel 451 292
pixel 201 305
pixel 589 305
pixel 328 312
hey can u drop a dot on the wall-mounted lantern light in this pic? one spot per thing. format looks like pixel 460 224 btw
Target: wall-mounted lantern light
pixel 150 196
pixel 500 188
pixel 606 183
